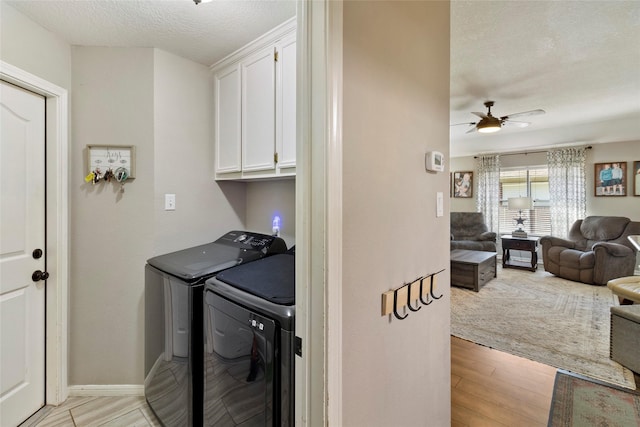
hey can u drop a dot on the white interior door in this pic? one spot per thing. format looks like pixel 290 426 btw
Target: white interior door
pixel 22 233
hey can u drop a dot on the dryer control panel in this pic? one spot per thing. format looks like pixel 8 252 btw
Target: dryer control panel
pixel 253 241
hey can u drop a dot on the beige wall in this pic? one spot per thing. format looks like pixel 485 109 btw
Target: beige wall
pixel 112 233
pixel 396 108
pixel 629 151
pixel 30 47
pixel 183 157
pixel 269 198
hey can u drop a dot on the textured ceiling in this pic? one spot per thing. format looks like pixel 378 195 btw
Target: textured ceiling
pixel 203 33
pixel 577 60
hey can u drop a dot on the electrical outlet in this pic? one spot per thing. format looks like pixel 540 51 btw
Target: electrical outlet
pixel 169 202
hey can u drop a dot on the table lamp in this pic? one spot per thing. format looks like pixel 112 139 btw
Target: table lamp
pixel 519 204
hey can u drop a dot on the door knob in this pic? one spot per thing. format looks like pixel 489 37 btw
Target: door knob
pixel 39 275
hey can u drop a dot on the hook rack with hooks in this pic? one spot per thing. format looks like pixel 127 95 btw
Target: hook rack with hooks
pixel 421 290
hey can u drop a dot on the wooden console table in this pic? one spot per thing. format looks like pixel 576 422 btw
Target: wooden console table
pixel 528 244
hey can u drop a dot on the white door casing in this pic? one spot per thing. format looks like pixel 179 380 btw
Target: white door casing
pixel 319 213
pixel 22 231
pixel 57 229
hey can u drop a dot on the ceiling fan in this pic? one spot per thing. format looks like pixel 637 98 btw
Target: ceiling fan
pixel 488 123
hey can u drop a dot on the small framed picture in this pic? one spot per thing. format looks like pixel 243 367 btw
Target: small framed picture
pixel 463 184
pixel 610 179
pixel 112 157
pixel 636 178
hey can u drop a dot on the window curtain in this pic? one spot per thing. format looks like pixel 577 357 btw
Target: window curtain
pixel 567 188
pixel 488 200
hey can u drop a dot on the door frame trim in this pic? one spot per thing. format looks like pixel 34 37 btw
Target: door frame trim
pixel 319 207
pixel 57 226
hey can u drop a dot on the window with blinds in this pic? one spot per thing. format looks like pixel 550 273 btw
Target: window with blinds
pixel 532 181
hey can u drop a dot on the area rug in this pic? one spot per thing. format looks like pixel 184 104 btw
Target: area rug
pixel 578 401
pixel 544 318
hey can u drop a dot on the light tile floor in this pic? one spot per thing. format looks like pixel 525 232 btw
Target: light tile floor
pixel 90 411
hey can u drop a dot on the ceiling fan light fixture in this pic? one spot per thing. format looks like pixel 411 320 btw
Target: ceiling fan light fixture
pixel 488 126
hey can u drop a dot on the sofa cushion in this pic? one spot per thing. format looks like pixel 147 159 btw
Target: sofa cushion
pixel 626 287
pixel 572 258
pixel 602 228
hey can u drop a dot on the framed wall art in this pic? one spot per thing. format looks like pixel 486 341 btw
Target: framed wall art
pixel 636 178
pixel 463 184
pixel 610 179
pixel 112 157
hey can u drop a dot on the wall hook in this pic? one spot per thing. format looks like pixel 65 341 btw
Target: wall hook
pixel 427 302
pixel 409 298
pixel 431 286
pixel 395 305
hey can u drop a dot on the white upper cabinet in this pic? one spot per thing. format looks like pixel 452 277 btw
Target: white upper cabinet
pixel 227 120
pixel 255 108
pixel 259 111
pixel 286 104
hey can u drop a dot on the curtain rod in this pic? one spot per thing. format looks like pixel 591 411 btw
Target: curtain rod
pixel 588 147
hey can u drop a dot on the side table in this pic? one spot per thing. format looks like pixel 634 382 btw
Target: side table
pixel 529 244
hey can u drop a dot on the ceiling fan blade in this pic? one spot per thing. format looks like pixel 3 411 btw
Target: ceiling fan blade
pixel 466 123
pixel 524 113
pixel 473 129
pixel 482 115
pixel 515 123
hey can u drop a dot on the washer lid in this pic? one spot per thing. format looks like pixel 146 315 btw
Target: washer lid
pixel 271 278
pixel 234 248
pixel 200 261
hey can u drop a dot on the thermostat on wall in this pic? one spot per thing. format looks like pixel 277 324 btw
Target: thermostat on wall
pixel 434 161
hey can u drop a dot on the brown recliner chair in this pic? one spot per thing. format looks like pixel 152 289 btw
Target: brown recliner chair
pixel 596 251
pixel 469 231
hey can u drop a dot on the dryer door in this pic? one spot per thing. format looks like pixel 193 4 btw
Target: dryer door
pixel 240 370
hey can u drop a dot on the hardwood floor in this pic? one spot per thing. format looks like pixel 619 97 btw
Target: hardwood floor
pixel 492 388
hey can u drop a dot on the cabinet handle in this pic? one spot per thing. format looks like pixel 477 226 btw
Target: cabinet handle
pixel 275 55
pixel 275 157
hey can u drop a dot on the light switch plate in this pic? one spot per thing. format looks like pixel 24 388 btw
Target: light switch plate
pixel 439 204
pixel 169 202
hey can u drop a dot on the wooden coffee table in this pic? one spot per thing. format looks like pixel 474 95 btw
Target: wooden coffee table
pixel 472 269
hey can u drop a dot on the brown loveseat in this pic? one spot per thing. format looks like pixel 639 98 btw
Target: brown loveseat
pixel 596 251
pixel 469 231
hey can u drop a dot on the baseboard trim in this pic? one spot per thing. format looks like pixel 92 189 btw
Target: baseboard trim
pixel 107 390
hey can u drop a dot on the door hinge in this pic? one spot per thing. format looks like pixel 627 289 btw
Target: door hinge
pixel 275 157
pixel 275 55
pixel 298 346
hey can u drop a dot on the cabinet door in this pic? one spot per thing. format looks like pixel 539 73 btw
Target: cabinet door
pixel 258 111
pixel 286 124
pixel 227 120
